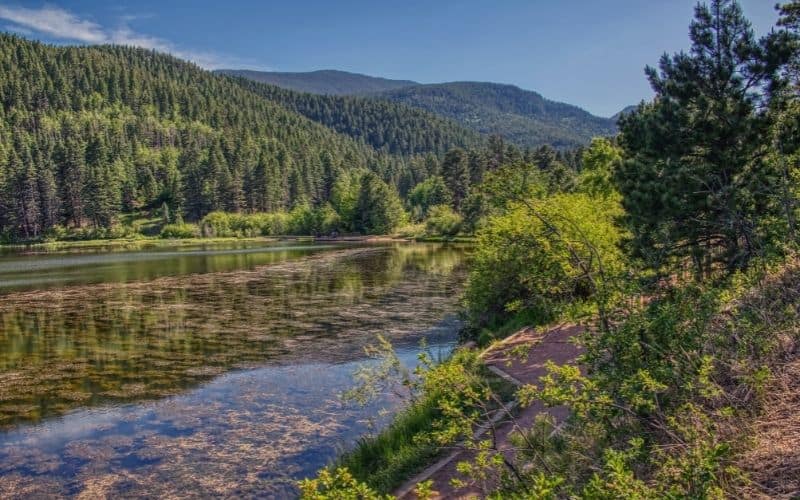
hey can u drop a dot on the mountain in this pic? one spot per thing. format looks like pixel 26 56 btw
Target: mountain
pixel 384 125
pixel 520 116
pixel 624 111
pixel 330 82
pixel 89 133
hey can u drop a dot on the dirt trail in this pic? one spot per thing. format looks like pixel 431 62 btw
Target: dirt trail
pixel 773 463
pixel 509 358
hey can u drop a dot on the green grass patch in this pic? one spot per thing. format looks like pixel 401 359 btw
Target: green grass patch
pixel 135 243
pixel 385 460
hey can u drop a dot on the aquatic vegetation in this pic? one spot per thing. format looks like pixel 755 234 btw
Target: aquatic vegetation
pixel 87 345
pixel 220 382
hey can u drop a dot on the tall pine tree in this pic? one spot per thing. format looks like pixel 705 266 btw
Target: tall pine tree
pixel 694 183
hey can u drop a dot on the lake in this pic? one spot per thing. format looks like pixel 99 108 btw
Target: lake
pixel 206 370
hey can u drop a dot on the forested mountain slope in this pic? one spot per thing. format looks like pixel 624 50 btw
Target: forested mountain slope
pixel 87 133
pixel 520 116
pixel 330 82
pixel 384 125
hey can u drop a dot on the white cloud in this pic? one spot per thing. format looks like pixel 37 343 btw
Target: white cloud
pixel 18 29
pixel 60 24
pixel 55 22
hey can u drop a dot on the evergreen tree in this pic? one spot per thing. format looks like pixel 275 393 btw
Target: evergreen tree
pixel 455 171
pixel 345 196
pixel 72 175
pixel 496 152
pixel 379 209
pixel 48 195
pixel 694 182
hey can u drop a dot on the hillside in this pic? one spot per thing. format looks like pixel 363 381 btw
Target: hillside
pixel 330 82
pixel 384 125
pixel 520 116
pixel 624 111
pixel 90 133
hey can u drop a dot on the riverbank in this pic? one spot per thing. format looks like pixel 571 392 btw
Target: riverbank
pixel 147 242
pixel 522 360
pixel 418 449
pixel 637 421
pixel 141 243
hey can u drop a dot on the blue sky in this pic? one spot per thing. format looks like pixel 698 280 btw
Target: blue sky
pixel 585 52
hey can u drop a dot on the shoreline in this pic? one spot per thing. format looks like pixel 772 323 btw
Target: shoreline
pixel 155 242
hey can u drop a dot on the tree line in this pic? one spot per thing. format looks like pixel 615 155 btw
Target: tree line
pixel 91 134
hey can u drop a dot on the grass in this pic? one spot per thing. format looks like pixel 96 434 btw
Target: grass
pixel 387 459
pixel 384 461
pixel 135 243
pixel 505 328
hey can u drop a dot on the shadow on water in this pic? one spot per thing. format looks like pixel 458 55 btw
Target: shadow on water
pixel 211 383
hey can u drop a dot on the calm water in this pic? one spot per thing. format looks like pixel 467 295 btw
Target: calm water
pixel 204 371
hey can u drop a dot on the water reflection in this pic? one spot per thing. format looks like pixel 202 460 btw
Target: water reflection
pixel 106 368
pixel 247 433
pixel 38 269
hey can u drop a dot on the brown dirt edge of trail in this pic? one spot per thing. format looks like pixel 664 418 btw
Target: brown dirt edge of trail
pixel 773 462
pixel 520 359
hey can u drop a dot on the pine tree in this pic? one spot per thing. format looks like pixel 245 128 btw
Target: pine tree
pixel 455 170
pixel 25 194
pixel 101 191
pixel 379 209
pixel 48 195
pixel 695 183
pixel 71 180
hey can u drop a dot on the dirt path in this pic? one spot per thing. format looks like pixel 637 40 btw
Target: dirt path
pixel 507 358
pixel 773 463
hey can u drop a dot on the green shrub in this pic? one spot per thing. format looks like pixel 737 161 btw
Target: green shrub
pixel 301 220
pixel 272 224
pixel 443 221
pixel 217 224
pixel 116 231
pixel 427 194
pixel 410 231
pixel 544 255
pixel 177 231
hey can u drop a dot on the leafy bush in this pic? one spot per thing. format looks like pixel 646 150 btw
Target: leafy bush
pixel 446 400
pixel 667 391
pixel 443 220
pixel 116 231
pixel 542 256
pixel 429 193
pixel 302 220
pixel 410 231
pixel 337 485
pixel 181 230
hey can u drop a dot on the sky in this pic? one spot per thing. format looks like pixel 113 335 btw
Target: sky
pixel 590 53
